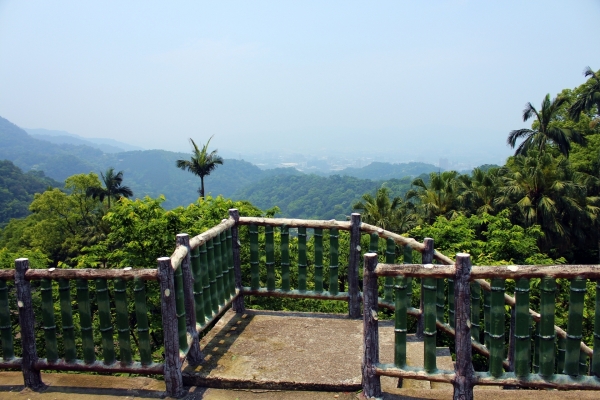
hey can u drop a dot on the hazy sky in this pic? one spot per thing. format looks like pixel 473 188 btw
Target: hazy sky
pixel 423 77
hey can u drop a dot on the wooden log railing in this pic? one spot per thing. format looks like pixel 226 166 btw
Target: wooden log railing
pixel 571 374
pixel 203 278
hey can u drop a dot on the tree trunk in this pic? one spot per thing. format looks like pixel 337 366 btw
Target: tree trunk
pixel 202 187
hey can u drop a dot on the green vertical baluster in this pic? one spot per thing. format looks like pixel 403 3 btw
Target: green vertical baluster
pixel 49 325
pixel 475 310
pixel 141 314
pixel 106 328
pixel 547 334
pixel 227 277
pixel 218 265
pixel 400 326
pixel 486 318
pixel 583 367
pixel 451 314
pixel 8 352
pixel 522 326
pixel 430 331
pixel 230 262
pixel 270 257
pixel 85 320
pixel 254 269
pixel 205 278
pixel 122 321
pixel 374 243
pixel 496 327
pixel 560 358
pixel 408 259
pixel 333 261
pixel 390 258
pixel 212 276
pixel 596 354
pixel 285 258
pixel 536 349
pixel 440 299
pixel 66 312
pixel 301 258
pixel 198 288
pixel 318 233
pixel 180 309
pixel 574 326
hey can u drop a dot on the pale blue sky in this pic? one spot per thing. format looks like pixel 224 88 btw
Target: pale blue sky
pixel 423 78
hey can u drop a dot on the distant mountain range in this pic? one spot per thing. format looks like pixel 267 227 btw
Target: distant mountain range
pixel 63 137
pixel 152 172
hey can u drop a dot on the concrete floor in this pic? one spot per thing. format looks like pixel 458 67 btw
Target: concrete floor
pixel 246 355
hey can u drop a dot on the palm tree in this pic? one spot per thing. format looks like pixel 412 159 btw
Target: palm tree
pixel 479 190
pixel 202 163
pixel 543 131
pixel 396 215
pixel 112 187
pixel 545 191
pixel 439 196
pixel 590 96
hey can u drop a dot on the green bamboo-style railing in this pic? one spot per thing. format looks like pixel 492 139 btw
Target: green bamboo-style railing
pixel 544 356
pixel 545 371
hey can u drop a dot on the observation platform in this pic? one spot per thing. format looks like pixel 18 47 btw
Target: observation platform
pixel 273 355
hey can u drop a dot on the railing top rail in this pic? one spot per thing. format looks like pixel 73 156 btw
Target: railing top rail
pixel 295 223
pixel 488 272
pixel 204 237
pixel 86 273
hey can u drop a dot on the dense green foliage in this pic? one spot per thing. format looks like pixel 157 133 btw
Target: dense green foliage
pixel 17 190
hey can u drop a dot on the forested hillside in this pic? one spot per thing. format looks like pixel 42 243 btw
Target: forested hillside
pixel 312 196
pixel 17 190
pixel 385 171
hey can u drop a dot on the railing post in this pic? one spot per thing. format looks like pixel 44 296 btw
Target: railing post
pixel 31 376
pixel 354 298
pixel 371 382
pixel 464 379
pixel 172 371
pixel 238 304
pixel 427 258
pixel 194 356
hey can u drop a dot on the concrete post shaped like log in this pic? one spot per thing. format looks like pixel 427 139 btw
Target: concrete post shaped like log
pixel 31 375
pixel 463 367
pixel 172 366
pixel 354 260
pixel 370 380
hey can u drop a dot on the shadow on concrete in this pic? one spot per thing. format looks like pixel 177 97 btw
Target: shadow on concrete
pixel 220 343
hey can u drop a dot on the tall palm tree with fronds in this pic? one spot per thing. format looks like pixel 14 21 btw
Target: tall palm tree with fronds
pixel 202 163
pixel 545 191
pixel 479 190
pixel 543 131
pixel 590 96
pixel 378 210
pixel 438 197
pixel 112 189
